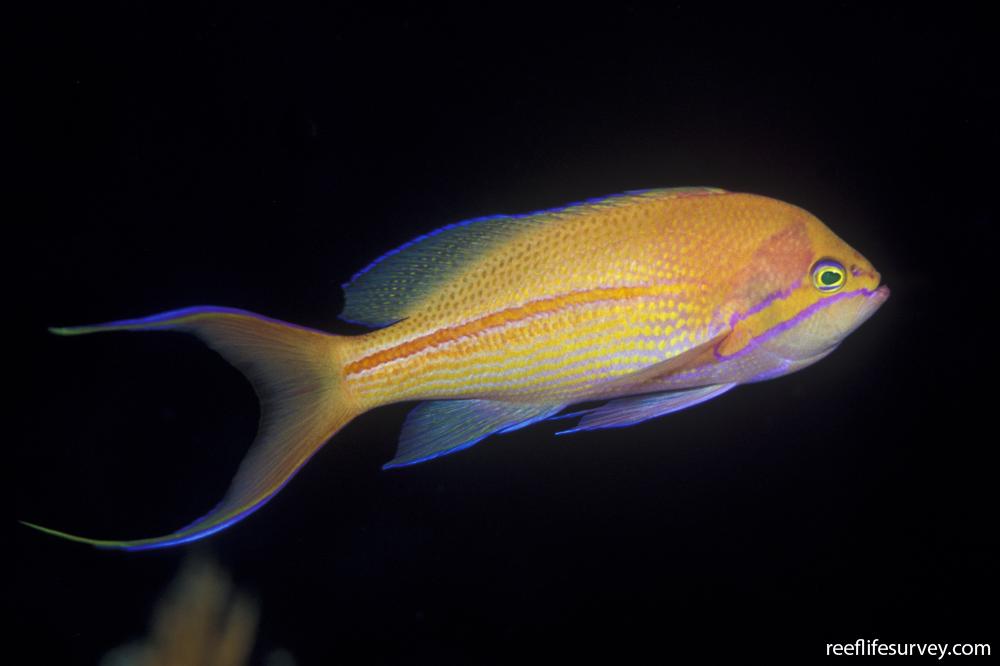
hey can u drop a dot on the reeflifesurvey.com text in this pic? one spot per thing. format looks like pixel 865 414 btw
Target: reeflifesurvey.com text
pixel 869 647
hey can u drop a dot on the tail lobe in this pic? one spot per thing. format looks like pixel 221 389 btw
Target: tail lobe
pixel 297 375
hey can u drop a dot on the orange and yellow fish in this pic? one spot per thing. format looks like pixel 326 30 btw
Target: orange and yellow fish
pixel 655 301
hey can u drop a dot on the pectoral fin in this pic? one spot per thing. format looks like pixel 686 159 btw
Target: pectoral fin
pixel 441 427
pixel 636 409
pixel 698 356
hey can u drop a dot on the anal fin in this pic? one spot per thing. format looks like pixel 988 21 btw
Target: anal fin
pixel 441 427
pixel 637 408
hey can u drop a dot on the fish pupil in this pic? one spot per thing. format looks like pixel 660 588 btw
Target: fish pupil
pixel 829 278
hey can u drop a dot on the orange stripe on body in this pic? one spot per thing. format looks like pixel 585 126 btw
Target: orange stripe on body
pixel 498 319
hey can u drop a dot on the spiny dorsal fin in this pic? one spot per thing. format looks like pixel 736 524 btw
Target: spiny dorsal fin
pixel 393 285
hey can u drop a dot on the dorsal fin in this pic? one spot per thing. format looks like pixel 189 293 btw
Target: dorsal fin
pixel 392 286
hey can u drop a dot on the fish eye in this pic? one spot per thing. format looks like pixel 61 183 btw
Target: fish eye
pixel 828 275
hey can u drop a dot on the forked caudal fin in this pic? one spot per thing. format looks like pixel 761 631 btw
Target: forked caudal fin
pixel 296 373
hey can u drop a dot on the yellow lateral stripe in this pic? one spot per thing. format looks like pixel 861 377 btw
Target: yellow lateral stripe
pixel 526 357
pixel 526 350
pixel 524 345
pixel 503 317
pixel 627 355
pixel 516 372
pixel 520 373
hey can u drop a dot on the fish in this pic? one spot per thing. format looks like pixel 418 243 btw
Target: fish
pixel 650 302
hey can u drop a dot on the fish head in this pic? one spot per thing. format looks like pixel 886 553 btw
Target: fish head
pixel 804 291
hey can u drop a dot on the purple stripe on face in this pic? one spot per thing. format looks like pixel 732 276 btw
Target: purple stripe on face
pixel 881 293
pixel 770 298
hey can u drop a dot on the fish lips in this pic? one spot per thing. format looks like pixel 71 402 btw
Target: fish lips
pixel 873 300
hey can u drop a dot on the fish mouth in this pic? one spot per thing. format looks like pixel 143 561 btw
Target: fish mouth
pixel 881 294
pixel 872 302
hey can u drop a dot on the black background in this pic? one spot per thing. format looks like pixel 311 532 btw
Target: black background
pixel 256 157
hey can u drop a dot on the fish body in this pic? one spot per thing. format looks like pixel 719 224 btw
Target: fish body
pixel 655 300
pixel 575 302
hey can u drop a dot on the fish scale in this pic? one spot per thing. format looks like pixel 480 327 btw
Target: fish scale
pixel 626 244
pixel 523 351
